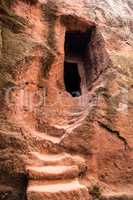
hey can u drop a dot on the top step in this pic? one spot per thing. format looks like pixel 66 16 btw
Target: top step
pixel 56 159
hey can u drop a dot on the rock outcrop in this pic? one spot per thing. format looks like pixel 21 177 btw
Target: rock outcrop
pixel 66 114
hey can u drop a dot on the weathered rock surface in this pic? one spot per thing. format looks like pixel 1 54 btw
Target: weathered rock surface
pixel 54 145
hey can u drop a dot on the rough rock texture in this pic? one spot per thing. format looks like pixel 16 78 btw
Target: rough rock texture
pixel 53 145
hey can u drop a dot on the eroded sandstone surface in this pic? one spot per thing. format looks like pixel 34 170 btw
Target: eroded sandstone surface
pixel 66 114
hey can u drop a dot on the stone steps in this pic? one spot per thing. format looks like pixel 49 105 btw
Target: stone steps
pixel 55 166
pixel 56 159
pixel 55 176
pixel 53 172
pixel 49 157
pixel 57 190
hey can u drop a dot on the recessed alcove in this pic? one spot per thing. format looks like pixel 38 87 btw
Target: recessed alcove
pixel 84 45
pixel 75 71
pixel 76 44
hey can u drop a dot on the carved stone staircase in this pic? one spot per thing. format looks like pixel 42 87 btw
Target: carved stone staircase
pixel 55 176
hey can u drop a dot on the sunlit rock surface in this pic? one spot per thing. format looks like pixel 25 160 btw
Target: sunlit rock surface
pixel 63 137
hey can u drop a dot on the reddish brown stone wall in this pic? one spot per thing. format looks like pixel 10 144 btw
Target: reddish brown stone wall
pixel 53 145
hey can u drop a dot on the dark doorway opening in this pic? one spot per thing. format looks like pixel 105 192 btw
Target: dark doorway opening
pixel 72 79
pixel 76 43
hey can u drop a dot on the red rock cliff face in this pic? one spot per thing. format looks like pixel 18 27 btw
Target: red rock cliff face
pixel 66 100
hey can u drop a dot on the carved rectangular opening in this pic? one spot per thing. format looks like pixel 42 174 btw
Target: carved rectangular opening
pixel 87 49
pixel 76 44
pixel 72 79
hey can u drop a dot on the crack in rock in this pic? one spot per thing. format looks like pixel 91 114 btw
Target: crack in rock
pixel 116 133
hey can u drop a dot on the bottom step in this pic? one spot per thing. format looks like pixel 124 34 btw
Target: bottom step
pixel 57 190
